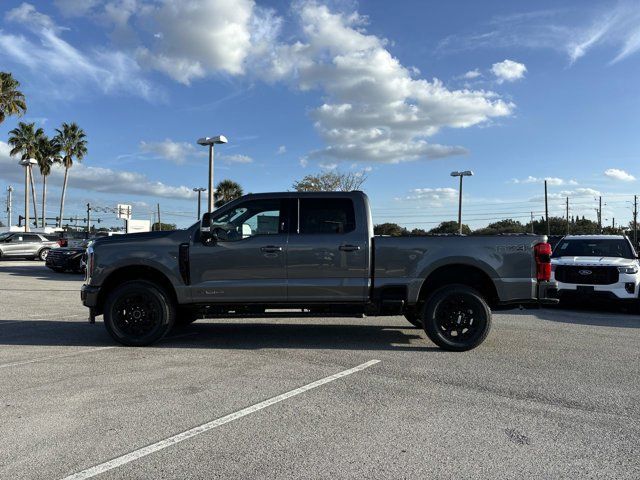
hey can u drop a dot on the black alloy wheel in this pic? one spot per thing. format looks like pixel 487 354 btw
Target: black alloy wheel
pixel 457 318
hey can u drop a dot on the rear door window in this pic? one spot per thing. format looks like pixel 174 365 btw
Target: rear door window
pixel 326 216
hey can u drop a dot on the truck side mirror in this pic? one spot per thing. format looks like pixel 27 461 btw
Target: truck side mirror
pixel 207 232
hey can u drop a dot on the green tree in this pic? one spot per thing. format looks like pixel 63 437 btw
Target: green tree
pixel 502 226
pixel 392 229
pixel 163 226
pixel 450 227
pixel 331 182
pixel 227 190
pixel 25 139
pixel 47 154
pixel 12 101
pixel 73 144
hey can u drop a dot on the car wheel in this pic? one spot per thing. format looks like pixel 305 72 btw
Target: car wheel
pixel 456 318
pixel 413 318
pixel 42 254
pixel 138 313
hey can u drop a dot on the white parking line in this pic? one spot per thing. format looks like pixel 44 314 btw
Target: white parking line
pixel 41 359
pixel 80 352
pixel 154 447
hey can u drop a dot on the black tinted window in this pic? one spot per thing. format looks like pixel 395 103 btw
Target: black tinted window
pixel 326 215
pixel 593 248
pixel 31 238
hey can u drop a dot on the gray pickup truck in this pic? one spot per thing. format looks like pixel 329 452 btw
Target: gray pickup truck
pixel 310 254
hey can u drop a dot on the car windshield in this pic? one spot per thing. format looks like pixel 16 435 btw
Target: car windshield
pixel 4 236
pixel 593 248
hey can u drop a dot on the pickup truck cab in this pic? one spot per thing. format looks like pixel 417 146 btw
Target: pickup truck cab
pixel 313 254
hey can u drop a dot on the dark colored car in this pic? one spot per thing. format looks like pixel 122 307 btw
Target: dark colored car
pixel 67 259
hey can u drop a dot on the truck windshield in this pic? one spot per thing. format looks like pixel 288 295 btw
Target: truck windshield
pixel 593 248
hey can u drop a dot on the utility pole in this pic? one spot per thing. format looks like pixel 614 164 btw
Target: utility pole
pixel 613 223
pixel 88 218
pixel 567 215
pixel 199 190
pixel 546 208
pixel 532 222
pixel 159 222
pixel 9 204
pixel 600 214
pixel 635 220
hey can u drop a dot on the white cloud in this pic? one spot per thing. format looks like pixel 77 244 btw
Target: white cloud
pixel 68 69
pixel 577 192
pixel 471 74
pixel 176 152
pixel 375 109
pixel 554 181
pixel 434 193
pixel 508 71
pixel 76 8
pixel 236 158
pixel 303 161
pixel 573 32
pixel 282 149
pixel 96 179
pixel 617 174
pixel 197 38
pixel 328 165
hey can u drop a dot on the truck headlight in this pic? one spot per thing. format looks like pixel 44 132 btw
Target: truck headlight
pixel 631 270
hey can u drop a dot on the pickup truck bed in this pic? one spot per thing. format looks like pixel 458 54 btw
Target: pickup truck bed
pixel 315 252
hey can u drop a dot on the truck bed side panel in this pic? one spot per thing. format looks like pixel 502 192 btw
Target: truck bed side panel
pixel 507 260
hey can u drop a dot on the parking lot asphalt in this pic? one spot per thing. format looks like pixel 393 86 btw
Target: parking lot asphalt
pixel 552 393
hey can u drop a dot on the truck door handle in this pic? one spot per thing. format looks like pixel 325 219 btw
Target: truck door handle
pixel 270 249
pixel 349 248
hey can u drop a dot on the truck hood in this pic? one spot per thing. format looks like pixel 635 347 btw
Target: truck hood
pixel 594 261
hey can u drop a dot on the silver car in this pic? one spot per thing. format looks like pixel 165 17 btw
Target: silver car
pixel 27 245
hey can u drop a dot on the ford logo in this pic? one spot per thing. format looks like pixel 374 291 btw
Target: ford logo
pixel 585 272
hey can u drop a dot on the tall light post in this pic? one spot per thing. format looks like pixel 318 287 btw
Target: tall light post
pixel 199 190
pixel 27 163
pixel 466 173
pixel 211 141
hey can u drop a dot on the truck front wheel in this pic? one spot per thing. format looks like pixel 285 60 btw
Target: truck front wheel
pixel 456 318
pixel 138 313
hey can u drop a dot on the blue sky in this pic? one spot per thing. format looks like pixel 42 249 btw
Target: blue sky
pixel 516 91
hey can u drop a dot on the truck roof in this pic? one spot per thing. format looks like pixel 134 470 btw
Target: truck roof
pixel 353 193
pixel 595 237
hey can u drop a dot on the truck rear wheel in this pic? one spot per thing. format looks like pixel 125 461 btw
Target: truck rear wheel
pixel 456 318
pixel 138 313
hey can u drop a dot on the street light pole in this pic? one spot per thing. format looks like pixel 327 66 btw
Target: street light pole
pixel 210 142
pixel 26 163
pixel 199 190
pixel 466 173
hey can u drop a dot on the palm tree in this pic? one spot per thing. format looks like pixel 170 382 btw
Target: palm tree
pixel 25 139
pixel 48 154
pixel 227 190
pixel 11 99
pixel 72 141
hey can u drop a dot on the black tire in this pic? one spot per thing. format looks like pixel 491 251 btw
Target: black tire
pixel 413 318
pixel 138 313
pixel 186 316
pixel 456 318
pixel 42 254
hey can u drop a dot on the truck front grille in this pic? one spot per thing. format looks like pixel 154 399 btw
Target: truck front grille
pixel 586 275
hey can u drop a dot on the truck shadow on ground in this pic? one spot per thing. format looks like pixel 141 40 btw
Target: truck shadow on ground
pixel 206 334
pixel 593 315
pixel 38 271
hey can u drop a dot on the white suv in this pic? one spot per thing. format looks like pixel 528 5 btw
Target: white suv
pixel 596 266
